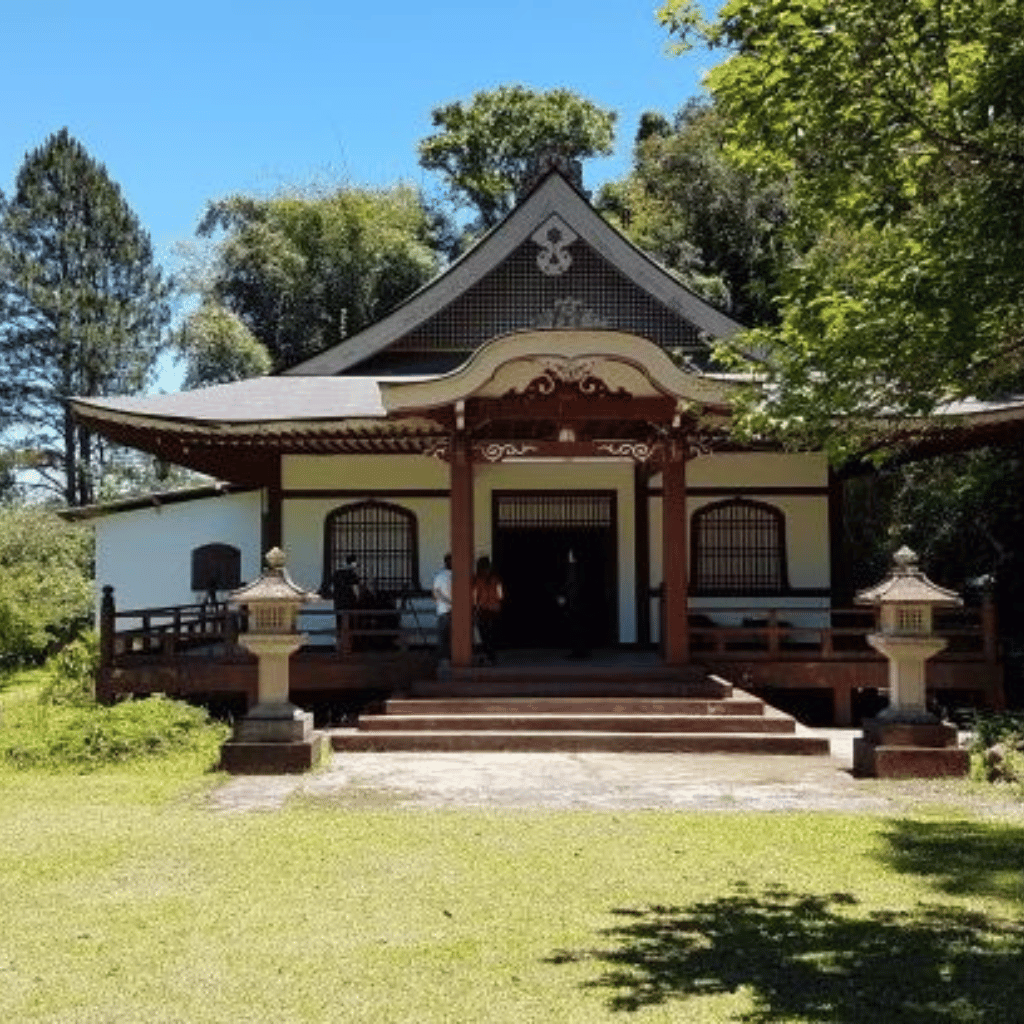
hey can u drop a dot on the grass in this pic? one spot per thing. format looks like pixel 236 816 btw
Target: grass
pixel 125 898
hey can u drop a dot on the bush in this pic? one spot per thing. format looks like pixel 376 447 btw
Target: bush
pixel 997 747
pixel 89 736
pixel 46 591
pixel 73 672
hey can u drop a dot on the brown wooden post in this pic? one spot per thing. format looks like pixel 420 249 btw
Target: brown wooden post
pixel 344 633
pixel 842 705
pixel 773 632
pixel 108 626
pixel 674 545
pixel 462 553
pixel 642 533
pixel 989 629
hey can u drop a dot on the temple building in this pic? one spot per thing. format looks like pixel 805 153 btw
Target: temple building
pixel 547 400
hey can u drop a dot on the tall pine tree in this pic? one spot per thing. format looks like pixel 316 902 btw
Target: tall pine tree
pixel 83 309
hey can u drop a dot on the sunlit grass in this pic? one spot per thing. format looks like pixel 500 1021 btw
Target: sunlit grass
pixel 125 896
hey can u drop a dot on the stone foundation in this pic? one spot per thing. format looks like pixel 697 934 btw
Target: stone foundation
pixel 908 750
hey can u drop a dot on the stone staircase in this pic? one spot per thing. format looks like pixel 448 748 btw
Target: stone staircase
pixel 579 709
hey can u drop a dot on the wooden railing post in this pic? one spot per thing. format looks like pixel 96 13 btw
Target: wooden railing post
pixel 107 626
pixel 773 631
pixel 989 629
pixel 344 633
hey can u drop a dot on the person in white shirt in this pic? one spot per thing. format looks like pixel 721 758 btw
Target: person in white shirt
pixel 442 592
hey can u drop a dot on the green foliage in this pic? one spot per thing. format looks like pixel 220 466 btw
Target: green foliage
pixel 72 679
pixel 713 223
pixel 997 747
pixel 302 270
pixel 84 737
pixel 82 310
pixel 46 591
pixel 218 348
pixel 899 127
pixel 991 727
pixel 486 148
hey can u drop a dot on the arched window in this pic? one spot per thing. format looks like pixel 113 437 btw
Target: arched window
pixel 738 547
pixel 383 539
pixel 216 567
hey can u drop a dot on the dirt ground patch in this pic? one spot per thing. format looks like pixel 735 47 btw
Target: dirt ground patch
pixel 594 781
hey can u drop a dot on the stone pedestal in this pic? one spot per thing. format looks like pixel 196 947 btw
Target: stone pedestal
pixel 892 749
pixel 275 736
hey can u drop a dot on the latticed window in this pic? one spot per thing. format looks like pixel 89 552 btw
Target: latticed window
pixel 383 539
pixel 738 547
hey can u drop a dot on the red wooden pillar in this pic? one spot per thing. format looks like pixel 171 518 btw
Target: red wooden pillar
pixel 462 553
pixel 674 544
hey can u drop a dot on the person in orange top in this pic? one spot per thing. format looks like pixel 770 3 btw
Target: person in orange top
pixel 488 594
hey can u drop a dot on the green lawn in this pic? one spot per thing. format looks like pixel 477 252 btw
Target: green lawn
pixel 123 897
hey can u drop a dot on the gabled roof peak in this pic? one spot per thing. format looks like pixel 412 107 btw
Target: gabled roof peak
pixel 552 162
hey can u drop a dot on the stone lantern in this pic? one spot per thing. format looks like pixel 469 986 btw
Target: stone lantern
pixel 906 740
pixel 275 735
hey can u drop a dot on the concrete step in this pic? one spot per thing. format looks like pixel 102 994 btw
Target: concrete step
pixel 352 740
pixel 576 705
pixel 568 685
pixel 577 723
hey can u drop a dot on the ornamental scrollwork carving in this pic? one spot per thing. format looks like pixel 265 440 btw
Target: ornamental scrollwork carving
pixel 496 451
pixel 574 379
pixel 638 451
pixel 437 449
pixel 569 314
pixel 554 237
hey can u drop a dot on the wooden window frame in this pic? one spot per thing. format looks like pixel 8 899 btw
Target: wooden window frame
pixel 775 517
pixel 333 560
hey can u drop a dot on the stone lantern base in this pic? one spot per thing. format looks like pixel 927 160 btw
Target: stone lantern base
pixel 908 750
pixel 273 739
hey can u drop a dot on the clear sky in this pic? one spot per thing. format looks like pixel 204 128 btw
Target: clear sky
pixel 196 99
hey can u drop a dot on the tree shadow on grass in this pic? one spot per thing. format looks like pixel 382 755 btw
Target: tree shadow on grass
pixel 815 958
pixel 963 858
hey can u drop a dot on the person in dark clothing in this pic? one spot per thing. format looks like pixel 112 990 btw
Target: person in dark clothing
pixel 347 589
pixel 574 603
pixel 488 594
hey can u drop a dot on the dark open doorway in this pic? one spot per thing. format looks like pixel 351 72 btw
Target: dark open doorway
pixel 533 535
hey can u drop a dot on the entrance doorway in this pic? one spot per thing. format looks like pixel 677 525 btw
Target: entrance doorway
pixel 534 532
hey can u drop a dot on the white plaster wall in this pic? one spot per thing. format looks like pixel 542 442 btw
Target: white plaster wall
pixel 353 472
pixel 807 527
pixel 302 534
pixel 757 469
pixel 146 554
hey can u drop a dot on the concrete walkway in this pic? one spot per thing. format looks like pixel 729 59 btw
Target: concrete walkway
pixel 605 782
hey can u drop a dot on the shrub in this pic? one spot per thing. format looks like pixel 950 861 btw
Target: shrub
pixel 997 747
pixel 46 593
pixel 73 672
pixel 89 736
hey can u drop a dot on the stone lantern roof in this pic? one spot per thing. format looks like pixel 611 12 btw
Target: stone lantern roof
pixel 907 584
pixel 275 585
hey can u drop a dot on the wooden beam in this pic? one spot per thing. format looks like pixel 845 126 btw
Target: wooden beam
pixel 674 547
pixel 462 552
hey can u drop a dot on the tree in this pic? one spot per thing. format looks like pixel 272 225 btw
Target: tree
pixel 46 590
pixel 487 147
pixel 82 309
pixel 900 125
pixel 218 348
pixel 304 269
pixel 694 210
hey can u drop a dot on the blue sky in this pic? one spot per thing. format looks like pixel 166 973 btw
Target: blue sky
pixel 189 101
